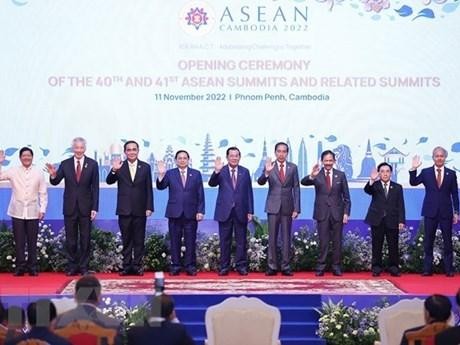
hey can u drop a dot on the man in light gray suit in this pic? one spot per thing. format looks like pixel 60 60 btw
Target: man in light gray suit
pixel 282 206
pixel 331 211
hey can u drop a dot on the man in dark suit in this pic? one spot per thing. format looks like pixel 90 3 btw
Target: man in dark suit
pixel 234 209
pixel 282 206
pixel 386 216
pixel 440 207
pixel 40 314
pixel 160 327
pixel 81 202
pixel 184 210
pixel 331 210
pixel 450 336
pixel 437 308
pixel 88 296
pixel 134 205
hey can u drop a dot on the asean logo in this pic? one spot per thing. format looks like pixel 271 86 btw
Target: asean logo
pixel 197 18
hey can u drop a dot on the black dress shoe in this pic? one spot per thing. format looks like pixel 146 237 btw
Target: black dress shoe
pixel 376 274
pixel 242 271
pixel 319 273
pixel 337 272
pixel 124 273
pixel 270 272
pixel 33 273
pixel 18 273
pixel 223 272
pixel 427 274
pixel 287 273
pixel 449 274
pixel 191 272
pixel 139 272
pixel 71 273
pixel 174 272
pixel 395 274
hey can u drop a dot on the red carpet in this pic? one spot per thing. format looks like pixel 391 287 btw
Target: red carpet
pixel 54 283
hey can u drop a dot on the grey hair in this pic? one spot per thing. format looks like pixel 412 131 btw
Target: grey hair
pixel 78 140
pixel 440 148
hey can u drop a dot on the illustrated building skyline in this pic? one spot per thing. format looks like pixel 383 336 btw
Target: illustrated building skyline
pixel 207 159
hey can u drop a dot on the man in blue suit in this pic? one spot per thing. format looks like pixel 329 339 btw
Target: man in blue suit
pixel 440 207
pixel 81 202
pixel 134 205
pixel 234 209
pixel 184 210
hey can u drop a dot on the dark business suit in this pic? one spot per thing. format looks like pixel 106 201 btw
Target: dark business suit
pixel 232 208
pixel 385 214
pixel 40 333
pixel 330 207
pixel 183 205
pixel 450 336
pixel 134 198
pixel 438 207
pixel 164 333
pixel 282 200
pixel 80 198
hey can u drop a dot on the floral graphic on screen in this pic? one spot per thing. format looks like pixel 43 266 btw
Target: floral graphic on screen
pixel 197 17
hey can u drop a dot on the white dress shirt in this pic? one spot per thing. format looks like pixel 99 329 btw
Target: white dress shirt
pixel 82 162
pixel 132 169
pixel 29 194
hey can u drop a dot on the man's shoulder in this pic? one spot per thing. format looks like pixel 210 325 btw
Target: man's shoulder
pixel 452 333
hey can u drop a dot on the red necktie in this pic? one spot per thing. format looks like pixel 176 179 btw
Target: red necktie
pixel 233 179
pixel 328 180
pixel 282 176
pixel 78 172
pixel 439 178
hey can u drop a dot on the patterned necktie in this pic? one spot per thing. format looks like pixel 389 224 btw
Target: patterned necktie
pixel 385 189
pixel 439 178
pixel 233 179
pixel 183 178
pixel 282 176
pixel 78 171
pixel 328 180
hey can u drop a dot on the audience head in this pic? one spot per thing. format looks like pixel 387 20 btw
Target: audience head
pixel 163 306
pixel 41 313
pixel 16 317
pixel 2 313
pixel 437 308
pixel 88 290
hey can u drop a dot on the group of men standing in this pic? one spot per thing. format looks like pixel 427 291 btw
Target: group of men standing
pixel 234 208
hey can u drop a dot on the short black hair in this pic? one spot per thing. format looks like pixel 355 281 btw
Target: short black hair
pixel 41 313
pixel 181 151
pixel 384 164
pixel 232 148
pixel 88 289
pixel 162 306
pixel 438 307
pixel 327 152
pixel 2 312
pixel 281 143
pixel 130 142
pixel 25 149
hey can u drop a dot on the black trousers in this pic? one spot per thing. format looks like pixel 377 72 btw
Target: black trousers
pixel 431 225
pixel 78 241
pixel 330 230
pixel 379 233
pixel 226 229
pixel 179 227
pixel 133 237
pixel 25 231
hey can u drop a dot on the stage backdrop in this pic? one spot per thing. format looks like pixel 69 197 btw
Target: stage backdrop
pixel 372 80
